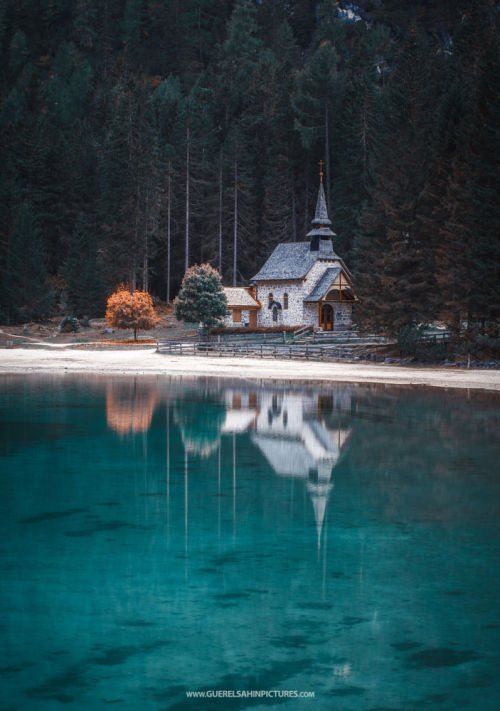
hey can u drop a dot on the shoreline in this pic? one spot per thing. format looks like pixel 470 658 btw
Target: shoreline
pixel 25 361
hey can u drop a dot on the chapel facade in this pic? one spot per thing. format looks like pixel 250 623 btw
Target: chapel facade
pixel 301 284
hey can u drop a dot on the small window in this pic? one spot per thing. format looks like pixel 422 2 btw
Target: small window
pixel 285 300
pixel 236 315
pixel 270 299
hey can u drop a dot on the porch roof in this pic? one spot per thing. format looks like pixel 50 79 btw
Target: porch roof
pixel 323 284
pixel 238 297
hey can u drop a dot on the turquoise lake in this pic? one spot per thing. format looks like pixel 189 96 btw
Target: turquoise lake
pixel 161 536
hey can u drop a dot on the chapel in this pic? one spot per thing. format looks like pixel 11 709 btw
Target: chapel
pixel 301 284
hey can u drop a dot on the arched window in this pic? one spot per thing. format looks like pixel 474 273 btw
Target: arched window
pixel 285 300
pixel 270 299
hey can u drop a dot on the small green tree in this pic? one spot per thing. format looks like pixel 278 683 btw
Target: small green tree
pixel 201 298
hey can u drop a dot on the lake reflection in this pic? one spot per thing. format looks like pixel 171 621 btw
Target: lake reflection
pixel 162 536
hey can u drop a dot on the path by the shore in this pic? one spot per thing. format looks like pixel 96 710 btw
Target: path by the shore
pixel 148 361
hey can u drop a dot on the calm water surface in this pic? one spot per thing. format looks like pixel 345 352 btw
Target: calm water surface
pixel 160 537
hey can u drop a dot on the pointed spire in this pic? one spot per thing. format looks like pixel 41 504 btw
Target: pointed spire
pixel 319 497
pixel 321 215
pixel 321 231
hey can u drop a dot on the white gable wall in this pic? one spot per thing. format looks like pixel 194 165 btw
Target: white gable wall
pixel 298 313
pixel 314 273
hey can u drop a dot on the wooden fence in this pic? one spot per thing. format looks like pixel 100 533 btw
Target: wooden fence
pixel 292 351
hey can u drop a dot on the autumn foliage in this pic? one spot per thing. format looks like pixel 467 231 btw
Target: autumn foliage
pixel 127 309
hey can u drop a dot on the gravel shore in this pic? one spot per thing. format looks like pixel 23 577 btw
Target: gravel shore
pixel 148 361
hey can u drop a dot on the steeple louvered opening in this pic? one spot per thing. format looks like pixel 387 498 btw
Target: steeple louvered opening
pixel 321 234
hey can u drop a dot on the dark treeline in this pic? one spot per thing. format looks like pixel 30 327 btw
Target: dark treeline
pixel 141 137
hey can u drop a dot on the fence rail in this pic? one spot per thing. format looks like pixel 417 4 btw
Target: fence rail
pixel 295 351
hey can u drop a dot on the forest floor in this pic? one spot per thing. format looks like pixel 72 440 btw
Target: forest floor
pixel 145 360
pixel 96 333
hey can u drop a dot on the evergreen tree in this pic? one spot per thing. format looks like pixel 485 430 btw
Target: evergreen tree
pixel 82 272
pixel 284 152
pixel 315 102
pixel 396 268
pixel 201 298
pixel 27 293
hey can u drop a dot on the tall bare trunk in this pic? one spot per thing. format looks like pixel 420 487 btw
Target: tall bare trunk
pixel 294 214
pixel 220 215
pixel 327 156
pixel 306 205
pixel 235 236
pixel 145 275
pixel 168 235
pixel 186 264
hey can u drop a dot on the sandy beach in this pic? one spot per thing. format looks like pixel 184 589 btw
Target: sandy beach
pixel 149 362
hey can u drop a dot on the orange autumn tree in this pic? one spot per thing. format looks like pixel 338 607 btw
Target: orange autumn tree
pixel 126 309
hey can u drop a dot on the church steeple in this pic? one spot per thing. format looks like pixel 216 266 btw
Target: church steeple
pixel 321 233
pixel 321 214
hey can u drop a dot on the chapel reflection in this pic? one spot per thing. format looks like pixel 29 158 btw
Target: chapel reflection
pixel 301 435
pixel 130 405
pixel 200 420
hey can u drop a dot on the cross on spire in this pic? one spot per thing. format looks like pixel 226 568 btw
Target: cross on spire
pixel 320 171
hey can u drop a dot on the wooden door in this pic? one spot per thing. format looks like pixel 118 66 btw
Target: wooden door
pixel 253 318
pixel 326 317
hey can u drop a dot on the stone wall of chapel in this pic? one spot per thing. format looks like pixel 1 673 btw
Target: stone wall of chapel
pixel 342 316
pixel 310 314
pixel 292 316
pixel 298 312
pixel 228 322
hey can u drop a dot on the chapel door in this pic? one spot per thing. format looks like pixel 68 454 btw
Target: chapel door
pixel 326 317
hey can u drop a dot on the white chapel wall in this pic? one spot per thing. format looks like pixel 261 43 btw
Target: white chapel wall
pixel 286 317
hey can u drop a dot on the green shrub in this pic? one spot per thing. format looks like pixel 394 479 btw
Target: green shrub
pixel 69 324
pixel 412 342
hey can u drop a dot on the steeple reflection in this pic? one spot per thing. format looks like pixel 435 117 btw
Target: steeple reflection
pixel 301 435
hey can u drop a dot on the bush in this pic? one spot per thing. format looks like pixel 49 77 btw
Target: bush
pixel 412 342
pixel 69 324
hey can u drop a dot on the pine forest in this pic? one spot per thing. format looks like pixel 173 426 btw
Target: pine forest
pixel 141 137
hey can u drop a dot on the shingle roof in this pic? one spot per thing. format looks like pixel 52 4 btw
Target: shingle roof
pixel 321 222
pixel 323 284
pixel 238 296
pixel 291 260
pixel 321 215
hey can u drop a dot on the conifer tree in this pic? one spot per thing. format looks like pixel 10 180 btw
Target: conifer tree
pixel 27 293
pixel 82 272
pixel 396 270
pixel 201 298
pixel 315 101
